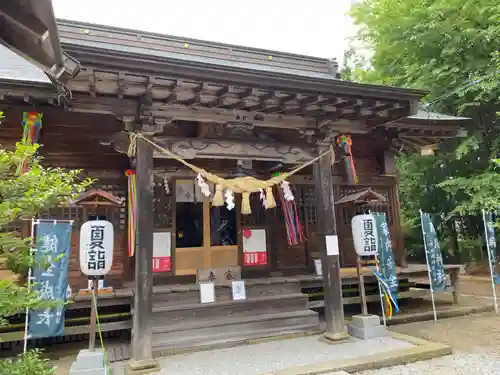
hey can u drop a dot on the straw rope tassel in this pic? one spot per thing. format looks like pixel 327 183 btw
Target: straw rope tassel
pixel 245 203
pixel 270 201
pixel 218 200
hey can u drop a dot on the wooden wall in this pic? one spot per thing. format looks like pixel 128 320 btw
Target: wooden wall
pixel 71 140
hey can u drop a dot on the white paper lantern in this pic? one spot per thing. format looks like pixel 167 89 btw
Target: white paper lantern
pixel 364 234
pixel 96 247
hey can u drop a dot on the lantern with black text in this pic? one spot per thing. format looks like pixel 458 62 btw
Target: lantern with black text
pixel 364 234
pixel 96 247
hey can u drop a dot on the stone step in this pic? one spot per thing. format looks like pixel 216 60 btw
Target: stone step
pixel 227 330
pixel 168 314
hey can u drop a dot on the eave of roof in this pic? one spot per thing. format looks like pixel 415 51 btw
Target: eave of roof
pixel 423 115
pixel 109 48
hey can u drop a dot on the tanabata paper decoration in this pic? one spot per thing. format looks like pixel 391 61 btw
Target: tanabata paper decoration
pixel 31 126
pixel 388 297
pixel 241 185
pixel 294 229
pixel 132 210
pixel 345 142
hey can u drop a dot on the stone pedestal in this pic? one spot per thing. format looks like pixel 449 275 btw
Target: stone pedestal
pixel 366 327
pixel 89 363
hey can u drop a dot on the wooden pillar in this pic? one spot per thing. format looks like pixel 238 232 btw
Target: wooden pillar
pixel 327 228
pixel 142 356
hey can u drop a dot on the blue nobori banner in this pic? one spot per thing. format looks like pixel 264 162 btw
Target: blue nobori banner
pixel 50 277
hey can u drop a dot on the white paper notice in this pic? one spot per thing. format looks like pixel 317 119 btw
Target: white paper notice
pixel 332 245
pixel 317 266
pixel 207 292
pixel 239 292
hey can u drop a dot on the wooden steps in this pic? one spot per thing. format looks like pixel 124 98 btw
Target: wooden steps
pixel 233 330
pixel 180 321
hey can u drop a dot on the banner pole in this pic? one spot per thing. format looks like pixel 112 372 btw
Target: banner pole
pixel 428 268
pixel 380 293
pixel 491 262
pixel 30 272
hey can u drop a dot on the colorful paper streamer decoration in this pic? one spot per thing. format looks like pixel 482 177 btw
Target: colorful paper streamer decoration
pixel 31 126
pixel 293 226
pixel 132 210
pixel 345 142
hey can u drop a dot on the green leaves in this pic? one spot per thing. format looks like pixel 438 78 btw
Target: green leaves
pixel 24 196
pixel 449 48
pixel 30 363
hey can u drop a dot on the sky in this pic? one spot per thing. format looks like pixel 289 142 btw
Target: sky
pixel 314 27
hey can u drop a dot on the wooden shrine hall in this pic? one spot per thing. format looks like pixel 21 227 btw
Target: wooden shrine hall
pixel 234 112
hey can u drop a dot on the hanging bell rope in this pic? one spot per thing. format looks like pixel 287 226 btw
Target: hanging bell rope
pixel 243 185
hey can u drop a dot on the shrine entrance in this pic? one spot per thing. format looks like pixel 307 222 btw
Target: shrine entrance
pixel 205 236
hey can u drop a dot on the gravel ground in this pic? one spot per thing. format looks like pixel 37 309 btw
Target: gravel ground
pixel 475 340
pixel 460 363
pixel 271 356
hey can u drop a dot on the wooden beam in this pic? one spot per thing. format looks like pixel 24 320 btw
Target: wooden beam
pixel 142 334
pixel 330 264
pixel 148 95
pixel 220 115
pixel 18 17
pixel 92 84
pixel 122 85
pixel 228 149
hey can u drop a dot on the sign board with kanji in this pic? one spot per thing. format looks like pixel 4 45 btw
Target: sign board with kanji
pixel 218 275
pixel 364 234
pixel 254 247
pixel 162 250
pixel 96 247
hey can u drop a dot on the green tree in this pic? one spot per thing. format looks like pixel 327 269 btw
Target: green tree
pixel 22 196
pixel 449 48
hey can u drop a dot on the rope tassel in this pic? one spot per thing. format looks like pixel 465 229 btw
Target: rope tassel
pixel 218 200
pixel 245 203
pixel 270 201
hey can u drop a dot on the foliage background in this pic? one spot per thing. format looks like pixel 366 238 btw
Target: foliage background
pixel 451 49
pixel 23 196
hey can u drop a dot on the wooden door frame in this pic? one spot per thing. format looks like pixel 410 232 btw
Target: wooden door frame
pixel 206 249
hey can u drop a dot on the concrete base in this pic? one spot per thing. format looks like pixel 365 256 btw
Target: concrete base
pixel 334 338
pixel 366 327
pixel 89 363
pixel 145 366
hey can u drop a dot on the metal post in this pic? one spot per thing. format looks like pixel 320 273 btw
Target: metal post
pixel 30 275
pixel 381 294
pixel 491 261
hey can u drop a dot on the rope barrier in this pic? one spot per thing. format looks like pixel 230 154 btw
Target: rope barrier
pixel 244 185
